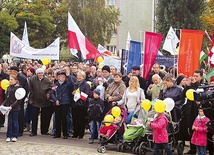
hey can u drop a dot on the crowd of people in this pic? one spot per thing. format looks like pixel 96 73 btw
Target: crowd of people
pixel 77 95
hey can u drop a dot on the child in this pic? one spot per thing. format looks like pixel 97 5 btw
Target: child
pixel 95 111
pixel 160 135
pixel 10 101
pixel 107 131
pixel 199 137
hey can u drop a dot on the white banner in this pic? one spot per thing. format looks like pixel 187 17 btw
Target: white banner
pixel 19 49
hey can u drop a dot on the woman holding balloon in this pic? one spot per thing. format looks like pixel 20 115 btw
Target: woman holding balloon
pixel 14 104
pixel 132 98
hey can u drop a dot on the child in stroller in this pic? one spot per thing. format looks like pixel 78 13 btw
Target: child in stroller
pixel 112 131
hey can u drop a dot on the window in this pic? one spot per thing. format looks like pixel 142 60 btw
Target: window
pixel 111 2
pixel 111 48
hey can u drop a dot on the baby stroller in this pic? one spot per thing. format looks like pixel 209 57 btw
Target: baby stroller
pixel 147 145
pixel 132 136
pixel 116 137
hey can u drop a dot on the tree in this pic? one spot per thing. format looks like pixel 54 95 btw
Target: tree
pixel 208 17
pixel 180 14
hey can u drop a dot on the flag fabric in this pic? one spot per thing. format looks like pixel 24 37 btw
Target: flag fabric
pixel 77 95
pixel 209 74
pixel 78 42
pixel 203 56
pixel 151 47
pixel 128 41
pixel 213 38
pixel 189 51
pixel 134 57
pixel 171 41
pixel 211 56
pixel 124 58
pixel 25 39
pixel 83 96
pixel 208 36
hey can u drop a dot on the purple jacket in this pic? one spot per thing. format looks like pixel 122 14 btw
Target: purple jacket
pixel 199 136
pixel 159 125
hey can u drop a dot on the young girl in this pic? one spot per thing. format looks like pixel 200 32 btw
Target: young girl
pixel 14 104
pixel 199 137
pixel 160 135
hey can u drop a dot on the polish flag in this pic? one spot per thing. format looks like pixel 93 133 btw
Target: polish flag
pixel 83 96
pixel 77 41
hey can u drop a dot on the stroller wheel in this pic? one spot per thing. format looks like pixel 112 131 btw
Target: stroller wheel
pixel 136 151
pixel 133 150
pixel 142 148
pixel 180 147
pixel 120 148
pixel 101 149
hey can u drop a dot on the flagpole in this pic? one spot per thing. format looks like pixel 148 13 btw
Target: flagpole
pixel 177 54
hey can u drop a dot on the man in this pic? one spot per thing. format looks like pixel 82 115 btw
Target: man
pixel 156 70
pixel 23 82
pixel 142 81
pixel 39 95
pixel 191 107
pixel 23 72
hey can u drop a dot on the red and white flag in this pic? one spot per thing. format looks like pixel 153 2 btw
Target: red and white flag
pixel 77 41
pixel 83 96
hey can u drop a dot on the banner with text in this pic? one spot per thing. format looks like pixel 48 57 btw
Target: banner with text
pixel 21 50
pixel 189 51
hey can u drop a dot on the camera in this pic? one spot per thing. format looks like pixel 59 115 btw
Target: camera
pixel 204 93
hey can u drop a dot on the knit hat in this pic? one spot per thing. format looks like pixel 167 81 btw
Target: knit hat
pixel 107 68
pixel 39 70
pixel 179 79
pixel 97 91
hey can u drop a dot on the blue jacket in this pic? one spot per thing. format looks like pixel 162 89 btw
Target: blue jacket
pixel 62 92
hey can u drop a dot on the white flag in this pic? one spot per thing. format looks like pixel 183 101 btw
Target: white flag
pixel 128 41
pixel 171 42
pixel 25 39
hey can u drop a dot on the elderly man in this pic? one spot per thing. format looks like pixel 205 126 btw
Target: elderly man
pixel 154 89
pixel 39 95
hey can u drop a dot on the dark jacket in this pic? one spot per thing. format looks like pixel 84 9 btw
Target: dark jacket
pixel 95 109
pixel 11 99
pixel 38 90
pixel 3 76
pixel 23 82
pixel 85 88
pixel 61 92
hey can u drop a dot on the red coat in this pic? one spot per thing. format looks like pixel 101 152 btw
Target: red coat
pixel 199 136
pixel 159 125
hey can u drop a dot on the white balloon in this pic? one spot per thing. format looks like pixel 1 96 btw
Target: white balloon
pixel 20 93
pixel 44 67
pixel 170 104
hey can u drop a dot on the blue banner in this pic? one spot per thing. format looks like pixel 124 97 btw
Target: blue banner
pixel 135 56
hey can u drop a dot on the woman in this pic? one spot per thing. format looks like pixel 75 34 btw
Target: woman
pixel 61 97
pixel 114 92
pixel 132 98
pixel 80 106
pixel 170 90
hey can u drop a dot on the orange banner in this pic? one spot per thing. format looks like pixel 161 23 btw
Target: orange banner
pixel 189 52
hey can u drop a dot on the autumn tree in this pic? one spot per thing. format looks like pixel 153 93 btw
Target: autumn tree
pixel 208 17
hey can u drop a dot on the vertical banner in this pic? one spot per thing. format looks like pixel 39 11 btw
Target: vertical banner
pixel 189 51
pixel 134 58
pixel 151 45
pixel 124 58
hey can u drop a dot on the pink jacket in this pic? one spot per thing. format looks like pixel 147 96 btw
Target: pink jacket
pixel 199 136
pixel 159 125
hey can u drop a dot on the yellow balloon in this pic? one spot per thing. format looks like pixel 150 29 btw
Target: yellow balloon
pixel 99 59
pixel 4 84
pixel 190 94
pixel 45 61
pixel 116 111
pixel 160 106
pixel 146 104
pixel 89 83
pixel 108 118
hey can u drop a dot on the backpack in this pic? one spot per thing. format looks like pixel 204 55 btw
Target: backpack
pixel 95 110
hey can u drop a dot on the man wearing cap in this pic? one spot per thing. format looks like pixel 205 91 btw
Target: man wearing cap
pixel 142 81
pixel 22 82
pixel 39 95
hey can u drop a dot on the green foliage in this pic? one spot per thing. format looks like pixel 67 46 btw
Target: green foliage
pixel 65 55
pixel 47 20
pixel 180 14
